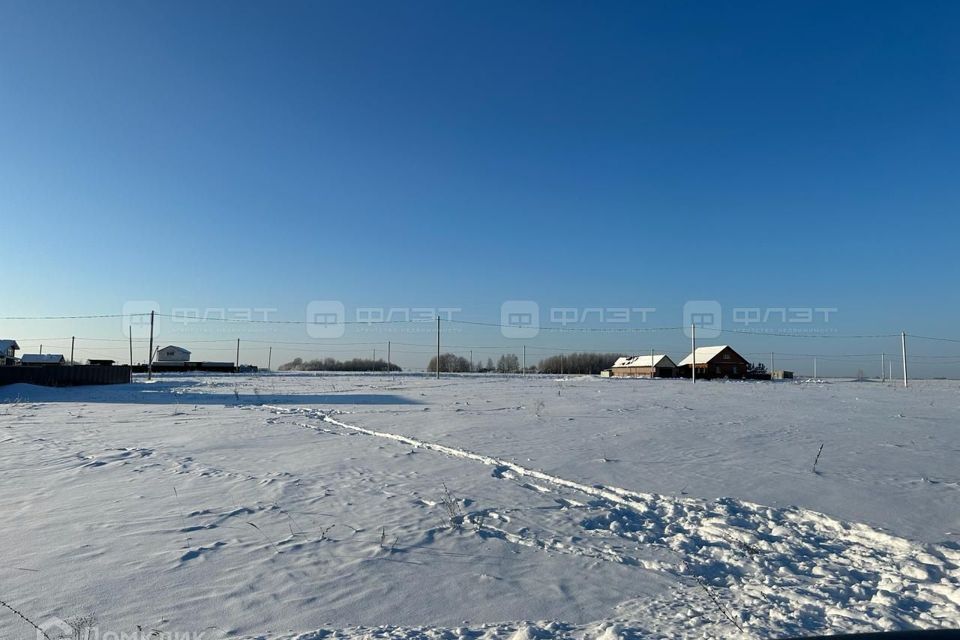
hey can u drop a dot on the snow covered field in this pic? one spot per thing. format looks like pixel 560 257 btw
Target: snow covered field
pixel 302 506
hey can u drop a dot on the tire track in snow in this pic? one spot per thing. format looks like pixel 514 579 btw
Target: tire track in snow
pixel 782 570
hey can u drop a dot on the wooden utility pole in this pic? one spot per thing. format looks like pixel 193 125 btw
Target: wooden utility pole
pixel 471 360
pixel 523 369
pixel 903 351
pixel 131 344
pixel 883 368
pixel 150 360
pixel 772 364
pixel 269 359
pixel 438 347
pixel 814 367
pixel 238 354
pixel 389 364
pixel 72 341
pixel 693 352
pixel 651 363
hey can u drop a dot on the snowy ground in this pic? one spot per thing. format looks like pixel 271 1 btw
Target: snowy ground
pixel 300 506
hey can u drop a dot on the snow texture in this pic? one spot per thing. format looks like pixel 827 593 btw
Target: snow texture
pixel 346 506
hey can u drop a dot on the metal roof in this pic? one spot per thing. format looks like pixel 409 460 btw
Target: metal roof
pixel 41 358
pixel 644 361
pixel 704 354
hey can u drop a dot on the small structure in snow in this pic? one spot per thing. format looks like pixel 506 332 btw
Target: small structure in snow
pixel 719 361
pixel 8 352
pixel 172 353
pixel 781 374
pixel 34 359
pixel 659 366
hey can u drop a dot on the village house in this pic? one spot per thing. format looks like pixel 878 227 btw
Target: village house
pixel 39 359
pixel 647 366
pixel 714 362
pixel 8 352
pixel 172 353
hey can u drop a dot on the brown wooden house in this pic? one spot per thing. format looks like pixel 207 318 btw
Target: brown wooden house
pixel 714 362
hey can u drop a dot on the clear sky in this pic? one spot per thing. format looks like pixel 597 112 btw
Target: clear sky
pixel 461 154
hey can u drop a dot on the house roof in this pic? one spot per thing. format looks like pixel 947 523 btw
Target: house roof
pixel 704 355
pixel 173 346
pixel 41 358
pixel 643 361
pixel 6 344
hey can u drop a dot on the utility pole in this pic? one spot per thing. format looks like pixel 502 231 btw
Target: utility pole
pixel 471 360
pixel 523 369
pixel 693 351
pixel 389 365
pixel 131 344
pixel 238 354
pixel 814 367
pixel 41 349
pixel 652 370
pixel 269 359
pixel 438 347
pixel 903 350
pixel 561 364
pixel 72 340
pixel 883 369
pixel 772 363
pixel 890 370
pixel 150 361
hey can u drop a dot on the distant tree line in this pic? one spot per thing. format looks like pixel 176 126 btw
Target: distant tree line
pixel 452 363
pixel 578 363
pixel 330 364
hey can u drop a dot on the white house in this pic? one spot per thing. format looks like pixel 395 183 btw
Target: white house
pixel 172 353
pixel 8 352
pixel 42 358
pixel 660 366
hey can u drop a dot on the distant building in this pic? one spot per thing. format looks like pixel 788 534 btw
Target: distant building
pixel 36 359
pixel 173 353
pixel 8 352
pixel 780 374
pixel 714 362
pixel 101 363
pixel 655 366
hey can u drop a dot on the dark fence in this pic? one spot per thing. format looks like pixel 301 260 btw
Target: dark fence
pixel 64 375
pixel 180 367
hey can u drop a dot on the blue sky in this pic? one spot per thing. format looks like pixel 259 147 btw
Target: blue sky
pixel 453 154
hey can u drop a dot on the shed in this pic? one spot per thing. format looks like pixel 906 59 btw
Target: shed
pixel 35 359
pixel 719 361
pixel 660 366
pixel 172 353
